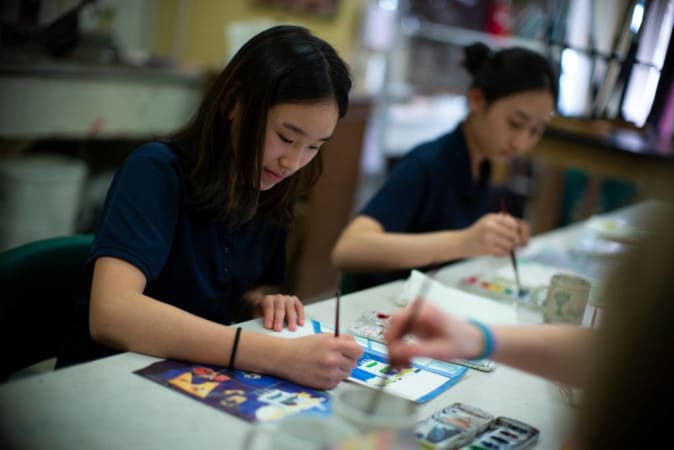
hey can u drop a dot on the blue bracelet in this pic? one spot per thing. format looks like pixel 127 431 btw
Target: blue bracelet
pixel 487 337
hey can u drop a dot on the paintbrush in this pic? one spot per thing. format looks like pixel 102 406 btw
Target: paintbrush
pixel 338 293
pixel 513 259
pixel 407 326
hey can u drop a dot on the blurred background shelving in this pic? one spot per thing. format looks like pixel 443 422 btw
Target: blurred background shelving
pixel 83 82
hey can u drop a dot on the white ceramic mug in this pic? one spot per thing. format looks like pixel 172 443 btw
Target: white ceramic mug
pixel 565 299
pixel 353 403
pixel 300 432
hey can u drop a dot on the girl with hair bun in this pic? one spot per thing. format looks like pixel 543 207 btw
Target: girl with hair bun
pixel 433 207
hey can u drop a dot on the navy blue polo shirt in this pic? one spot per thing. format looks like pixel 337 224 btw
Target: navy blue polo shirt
pixel 430 189
pixel 189 262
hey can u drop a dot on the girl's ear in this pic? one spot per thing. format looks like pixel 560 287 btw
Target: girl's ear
pixel 476 100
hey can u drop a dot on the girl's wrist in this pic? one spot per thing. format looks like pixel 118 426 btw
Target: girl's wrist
pixel 267 354
pixel 468 244
pixel 280 358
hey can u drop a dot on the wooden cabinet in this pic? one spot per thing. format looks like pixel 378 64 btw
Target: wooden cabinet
pixel 328 210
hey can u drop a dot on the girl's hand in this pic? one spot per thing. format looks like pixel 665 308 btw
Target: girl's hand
pixel 321 360
pixel 277 308
pixel 438 336
pixel 495 234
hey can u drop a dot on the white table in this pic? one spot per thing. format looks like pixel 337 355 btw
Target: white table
pixel 103 405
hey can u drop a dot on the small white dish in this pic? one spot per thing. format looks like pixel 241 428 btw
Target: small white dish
pixel 615 229
pixel 598 247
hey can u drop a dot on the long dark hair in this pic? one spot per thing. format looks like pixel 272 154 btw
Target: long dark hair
pixel 509 71
pixel 631 383
pixel 283 64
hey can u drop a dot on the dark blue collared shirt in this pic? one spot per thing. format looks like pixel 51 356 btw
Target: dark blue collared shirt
pixel 197 265
pixel 430 189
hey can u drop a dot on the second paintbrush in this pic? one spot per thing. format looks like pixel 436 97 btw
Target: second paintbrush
pixel 513 258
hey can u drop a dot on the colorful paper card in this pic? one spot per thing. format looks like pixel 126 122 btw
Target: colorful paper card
pixel 251 396
pixel 264 398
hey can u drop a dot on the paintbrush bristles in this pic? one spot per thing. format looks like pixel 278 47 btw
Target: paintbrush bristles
pixel 513 259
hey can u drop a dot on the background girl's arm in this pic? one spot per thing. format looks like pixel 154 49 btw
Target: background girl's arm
pixel 365 246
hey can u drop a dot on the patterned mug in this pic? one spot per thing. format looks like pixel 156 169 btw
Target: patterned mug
pixel 565 299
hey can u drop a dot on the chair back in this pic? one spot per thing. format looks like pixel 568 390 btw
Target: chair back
pixel 37 285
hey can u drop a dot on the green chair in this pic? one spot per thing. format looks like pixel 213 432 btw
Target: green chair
pixel 37 284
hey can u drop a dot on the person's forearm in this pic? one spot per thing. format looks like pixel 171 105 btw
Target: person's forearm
pixel 377 251
pixel 562 353
pixel 141 324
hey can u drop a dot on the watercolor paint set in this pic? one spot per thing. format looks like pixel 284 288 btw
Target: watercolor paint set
pixel 371 325
pixel 462 426
pixel 495 287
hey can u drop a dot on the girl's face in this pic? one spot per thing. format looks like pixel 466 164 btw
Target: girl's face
pixel 294 134
pixel 510 125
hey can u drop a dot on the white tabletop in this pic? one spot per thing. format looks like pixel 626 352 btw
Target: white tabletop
pixel 104 405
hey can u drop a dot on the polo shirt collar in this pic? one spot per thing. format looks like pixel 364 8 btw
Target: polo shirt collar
pixel 466 185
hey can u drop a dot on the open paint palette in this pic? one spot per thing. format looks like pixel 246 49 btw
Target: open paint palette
pixel 495 287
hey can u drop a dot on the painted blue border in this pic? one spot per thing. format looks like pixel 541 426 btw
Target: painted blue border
pixel 317 326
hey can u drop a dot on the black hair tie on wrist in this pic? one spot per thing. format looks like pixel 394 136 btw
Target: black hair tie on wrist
pixel 235 346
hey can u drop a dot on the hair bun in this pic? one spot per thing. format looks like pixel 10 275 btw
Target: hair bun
pixel 475 56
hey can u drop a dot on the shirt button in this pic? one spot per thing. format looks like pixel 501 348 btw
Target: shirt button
pixel 226 249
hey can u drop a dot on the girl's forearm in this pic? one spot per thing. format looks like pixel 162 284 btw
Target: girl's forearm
pixel 562 353
pixel 378 251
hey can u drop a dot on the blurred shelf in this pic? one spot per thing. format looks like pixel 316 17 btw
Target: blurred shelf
pixel 80 101
pixel 415 27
